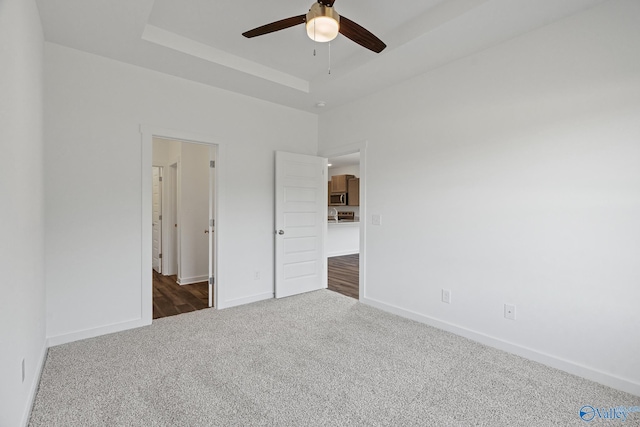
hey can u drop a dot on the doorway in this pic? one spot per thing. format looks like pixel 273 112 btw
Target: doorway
pixel 186 259
pixel 343 227
pixel 347 220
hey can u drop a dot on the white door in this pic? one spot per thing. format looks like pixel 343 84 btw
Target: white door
pixel 193 213
pixel 301 223
pixel 157 219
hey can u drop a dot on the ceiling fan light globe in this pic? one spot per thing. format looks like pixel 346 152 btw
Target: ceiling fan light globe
pixel 322 29
pixel 323 23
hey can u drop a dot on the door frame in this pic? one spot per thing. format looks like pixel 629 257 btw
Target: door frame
pixel 170 213
pixel 146 284
pixel 358 147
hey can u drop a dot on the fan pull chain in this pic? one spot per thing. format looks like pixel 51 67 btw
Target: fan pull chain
pixel 329 57
pixel 315 41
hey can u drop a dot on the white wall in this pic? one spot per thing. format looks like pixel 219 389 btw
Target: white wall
pixel 513 176
pixel 22 305
pixel 93 111
pixel 344 170
pixel 165 152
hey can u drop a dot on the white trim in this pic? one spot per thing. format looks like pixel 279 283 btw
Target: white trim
pixel 178 135
pixel 208 53
pixel 178 214
pixel 360 147
pixel 96 332
pixel 146 285
pixel 33 387
pixel 191 280
pixel 211 238
pixel 247 300
pixel 220 169
pixel 146 219
pixel 526 352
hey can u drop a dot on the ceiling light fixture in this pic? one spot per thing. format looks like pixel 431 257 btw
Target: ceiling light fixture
pixel 323 23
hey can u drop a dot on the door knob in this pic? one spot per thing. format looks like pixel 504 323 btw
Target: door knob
pixel 281 232
pixel 206 231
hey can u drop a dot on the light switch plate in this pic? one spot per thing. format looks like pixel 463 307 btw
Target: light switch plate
pixel 376 219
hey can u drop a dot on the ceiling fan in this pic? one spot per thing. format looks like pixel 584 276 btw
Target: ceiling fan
pixel 323 24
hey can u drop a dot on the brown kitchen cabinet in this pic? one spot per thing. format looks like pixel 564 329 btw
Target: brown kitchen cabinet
pixel 353 196
pixel 340 183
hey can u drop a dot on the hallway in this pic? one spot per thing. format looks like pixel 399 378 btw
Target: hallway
pixel 170 299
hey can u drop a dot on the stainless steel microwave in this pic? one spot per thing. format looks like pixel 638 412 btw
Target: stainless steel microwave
pixel 338 199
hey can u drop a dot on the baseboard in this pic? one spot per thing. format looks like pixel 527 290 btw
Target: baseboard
pixel 244 300
pixel 33 388
pixel 343 253
pixel 191 280
pixel 96 332
pixel 604 378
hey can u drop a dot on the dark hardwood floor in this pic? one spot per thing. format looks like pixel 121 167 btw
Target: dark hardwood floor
pixel 344 274
pixel 170 299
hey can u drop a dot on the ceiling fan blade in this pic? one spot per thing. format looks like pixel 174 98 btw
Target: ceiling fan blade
pixel 275 26
pixel 360 35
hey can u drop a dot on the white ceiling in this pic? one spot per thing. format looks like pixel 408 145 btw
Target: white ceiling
pixel 201 40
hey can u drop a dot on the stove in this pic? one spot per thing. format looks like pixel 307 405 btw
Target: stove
pixel 349 216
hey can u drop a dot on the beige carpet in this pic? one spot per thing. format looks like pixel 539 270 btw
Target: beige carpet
pixel 319 359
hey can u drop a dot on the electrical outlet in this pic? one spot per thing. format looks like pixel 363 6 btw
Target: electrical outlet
pixel 23 370
pixel 446 296
pixel 510 311
pixel 256 275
